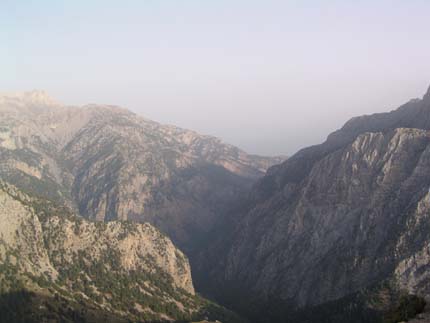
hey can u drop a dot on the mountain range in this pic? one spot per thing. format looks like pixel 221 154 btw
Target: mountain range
pixel 76 180
pixel 97 202
pixel 108 163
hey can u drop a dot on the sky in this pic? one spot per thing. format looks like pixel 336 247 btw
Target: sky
pixel 268 76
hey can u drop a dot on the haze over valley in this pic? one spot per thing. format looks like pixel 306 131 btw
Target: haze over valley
pixel 214 162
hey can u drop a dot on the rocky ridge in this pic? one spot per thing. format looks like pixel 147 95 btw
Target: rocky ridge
pixel 334 223
pixel 108 163
pixel 96 270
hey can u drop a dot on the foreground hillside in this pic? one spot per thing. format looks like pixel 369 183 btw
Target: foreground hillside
pixel 57 267
pixel 340 232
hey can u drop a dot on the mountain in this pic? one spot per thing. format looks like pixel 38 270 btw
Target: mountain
pixel 108 164
pixel 73 183
pixel 340 232
pixel 57 267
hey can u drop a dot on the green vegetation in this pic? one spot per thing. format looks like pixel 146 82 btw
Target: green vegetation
pixel 103 280
pixel 43 188
pixel 9 277
pixel 23 306
pixel 408 307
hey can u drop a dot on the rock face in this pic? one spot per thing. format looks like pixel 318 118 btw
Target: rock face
pixel 89 271
pixel 335 219
pixel 43 244
pixel 109 163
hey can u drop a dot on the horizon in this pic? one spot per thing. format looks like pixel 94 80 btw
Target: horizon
pixel 139 113
pixel 268 77
pixel 59 102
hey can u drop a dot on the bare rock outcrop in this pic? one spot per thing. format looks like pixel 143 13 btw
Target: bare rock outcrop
pixel 115 266
pixel 334 223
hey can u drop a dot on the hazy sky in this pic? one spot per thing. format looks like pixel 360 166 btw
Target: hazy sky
pixel 269 76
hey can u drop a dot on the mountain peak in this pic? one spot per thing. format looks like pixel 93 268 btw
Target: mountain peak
pixel 427 95
pixel 34 97
pixel 39 97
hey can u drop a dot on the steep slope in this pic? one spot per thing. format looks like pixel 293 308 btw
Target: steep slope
pixel 60 267
pixel 345 222
pixel 109 163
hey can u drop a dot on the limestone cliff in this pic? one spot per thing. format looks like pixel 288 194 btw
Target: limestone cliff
pixel 121 270
pixel 334 222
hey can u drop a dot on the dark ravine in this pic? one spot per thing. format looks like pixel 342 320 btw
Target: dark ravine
pixel 337 223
